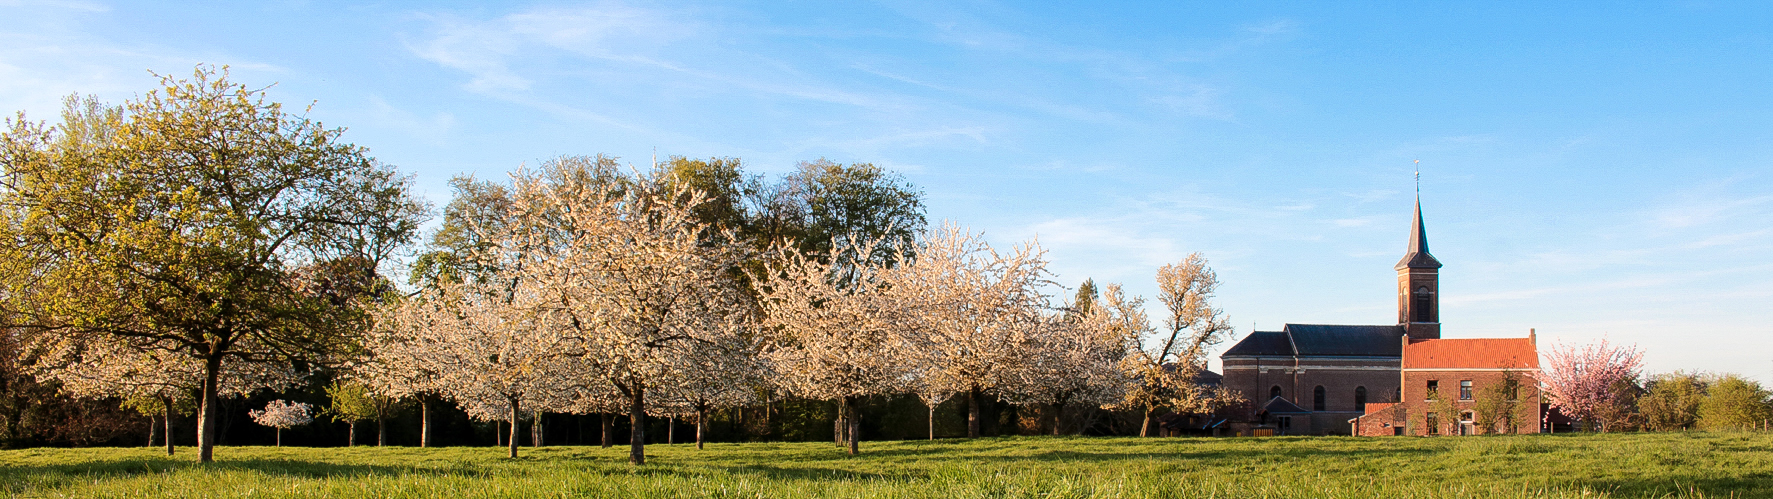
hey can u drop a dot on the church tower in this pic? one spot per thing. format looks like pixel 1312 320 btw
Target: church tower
pixel 1418 286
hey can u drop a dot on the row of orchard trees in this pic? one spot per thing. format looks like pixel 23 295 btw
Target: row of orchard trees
pixel 201 239
pixel 581 288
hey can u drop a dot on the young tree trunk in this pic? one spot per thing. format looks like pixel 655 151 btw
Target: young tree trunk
pixel 279 437
pixel 671 429
pixel 151 428
pixel 1145 425
pixel 854 426
pixel 351 434
pixel 637 423
pixel 381 430
pixel 498 433
pixel 207 413
pixel 166 419
pixel 973 412
pixel 609 430
pixel 701 425
pixel 535 431
pixel 837 427
pixel 511 440
pixel 932 422
pixel 424 421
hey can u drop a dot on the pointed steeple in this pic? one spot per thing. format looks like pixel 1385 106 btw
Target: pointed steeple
pixel 1417 257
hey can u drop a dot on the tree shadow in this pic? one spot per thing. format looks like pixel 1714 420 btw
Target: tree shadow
pixel 129 467
pixel 807 473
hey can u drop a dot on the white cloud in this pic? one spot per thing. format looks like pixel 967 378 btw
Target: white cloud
pixel 58 4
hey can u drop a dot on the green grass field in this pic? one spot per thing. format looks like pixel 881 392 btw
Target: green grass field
pixel 1618 465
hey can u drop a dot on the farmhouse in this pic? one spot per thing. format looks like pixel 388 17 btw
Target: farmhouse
pixel 1318 379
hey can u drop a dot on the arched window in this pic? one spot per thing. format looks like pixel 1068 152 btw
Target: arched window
pixel 1360 398
pixel 1317 398
pixel 1274 392
pixel 1424 305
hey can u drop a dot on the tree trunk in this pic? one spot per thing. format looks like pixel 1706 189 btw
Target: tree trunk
pixel 701 425
pixel 381 430
pixel 932 422
pixel 279 437
pixel 151 428
pixel 609 430
pixel 671 429
pixel 498 433
pixel 637 423
pixel 166 419
pixel 854 426
pixel 207 413
pixel 424 421
pixel 973 412
pixel 837 426
pixel 535 431
pixel 351 435
pixel 511 441
pixel 1145 425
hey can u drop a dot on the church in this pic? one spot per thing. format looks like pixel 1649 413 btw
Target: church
pixel 1326 379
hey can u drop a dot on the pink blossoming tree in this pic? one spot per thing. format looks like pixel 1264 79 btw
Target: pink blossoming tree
pixel 1584 382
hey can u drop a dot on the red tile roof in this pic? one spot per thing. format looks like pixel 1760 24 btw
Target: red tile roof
pixel 1486 353
pixel 1374 407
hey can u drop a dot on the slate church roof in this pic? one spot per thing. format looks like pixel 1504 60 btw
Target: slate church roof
pixel 1417 257
pixel 1322 340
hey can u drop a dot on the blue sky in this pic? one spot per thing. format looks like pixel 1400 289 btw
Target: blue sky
pixel 1589 170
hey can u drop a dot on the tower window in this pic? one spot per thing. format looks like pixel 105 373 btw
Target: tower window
pixel 1317 398
pixel 1360 398
pixel 1424 305
pixel 1274 392
pixel 1465 390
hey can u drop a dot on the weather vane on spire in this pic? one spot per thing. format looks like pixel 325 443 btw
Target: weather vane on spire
pixel 1418 178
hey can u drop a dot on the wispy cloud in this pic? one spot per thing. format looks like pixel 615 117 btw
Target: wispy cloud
pixel 58 4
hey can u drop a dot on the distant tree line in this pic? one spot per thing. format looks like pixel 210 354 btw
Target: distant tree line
pixel 1602 387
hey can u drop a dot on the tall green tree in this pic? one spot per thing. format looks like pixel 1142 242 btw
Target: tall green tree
pixel 1734 403
pixel 848 206
pixel 721 182
pixel 1085 301
pixel 1672 401
pixel 200 218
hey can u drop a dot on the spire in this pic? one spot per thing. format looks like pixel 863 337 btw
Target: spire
pixel 1418 256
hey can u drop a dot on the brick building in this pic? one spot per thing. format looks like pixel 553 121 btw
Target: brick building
pixel 1461 371
pixel 1321 379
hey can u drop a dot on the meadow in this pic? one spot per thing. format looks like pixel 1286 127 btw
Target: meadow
pixel 1579 465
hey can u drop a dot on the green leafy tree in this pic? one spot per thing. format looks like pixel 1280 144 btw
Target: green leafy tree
pixel 1672 401
pixel 1084 302
pixel 720 181
pixel 1734 403
pixel 181 221
pixel 353 401
pixel 850 215
pixel 478 208
pixel 1497 406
